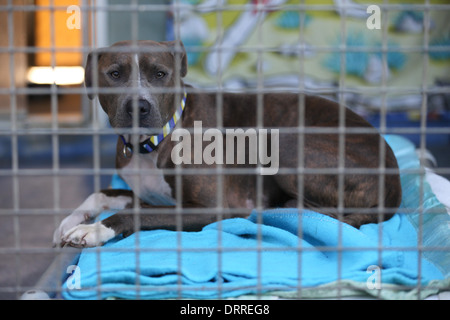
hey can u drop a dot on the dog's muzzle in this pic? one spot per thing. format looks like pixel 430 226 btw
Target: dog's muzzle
pixel 142 108
pixel 151 143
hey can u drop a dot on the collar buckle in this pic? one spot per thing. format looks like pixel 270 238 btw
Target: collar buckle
pixel 127 149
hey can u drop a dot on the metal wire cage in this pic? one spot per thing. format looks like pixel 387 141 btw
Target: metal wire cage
pixel 387 61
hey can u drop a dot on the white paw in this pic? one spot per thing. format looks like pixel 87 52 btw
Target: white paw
pixel 87 235
pixel 89 209
pixel 67 224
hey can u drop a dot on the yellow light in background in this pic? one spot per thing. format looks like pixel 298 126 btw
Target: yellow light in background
pixel 57 75
pixel 60 45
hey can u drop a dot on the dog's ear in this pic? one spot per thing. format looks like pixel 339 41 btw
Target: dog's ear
pixel 88 71
pixel 179 52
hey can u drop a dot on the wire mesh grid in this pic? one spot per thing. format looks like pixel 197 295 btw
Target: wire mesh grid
pixel 217 75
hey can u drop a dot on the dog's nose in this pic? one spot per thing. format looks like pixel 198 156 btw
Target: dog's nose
pixel 143 108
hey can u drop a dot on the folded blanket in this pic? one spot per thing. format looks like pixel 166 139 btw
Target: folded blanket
pixel 264 253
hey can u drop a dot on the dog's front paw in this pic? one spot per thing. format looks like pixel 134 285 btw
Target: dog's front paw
pixel 67 224
pixel 87 235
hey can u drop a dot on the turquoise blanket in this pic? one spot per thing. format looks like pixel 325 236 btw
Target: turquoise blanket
pixel 243 257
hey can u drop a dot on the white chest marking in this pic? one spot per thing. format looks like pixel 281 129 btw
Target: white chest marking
pixel 146 180
pixel 138 72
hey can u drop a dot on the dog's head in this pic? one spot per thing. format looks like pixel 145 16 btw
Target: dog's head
pixel 145 76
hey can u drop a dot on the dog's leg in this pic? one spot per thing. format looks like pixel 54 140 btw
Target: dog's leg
pixel 91 207
pixel 124 223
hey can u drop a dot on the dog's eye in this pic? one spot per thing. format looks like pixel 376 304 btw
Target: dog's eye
pixel 160 75
pixel 115 74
